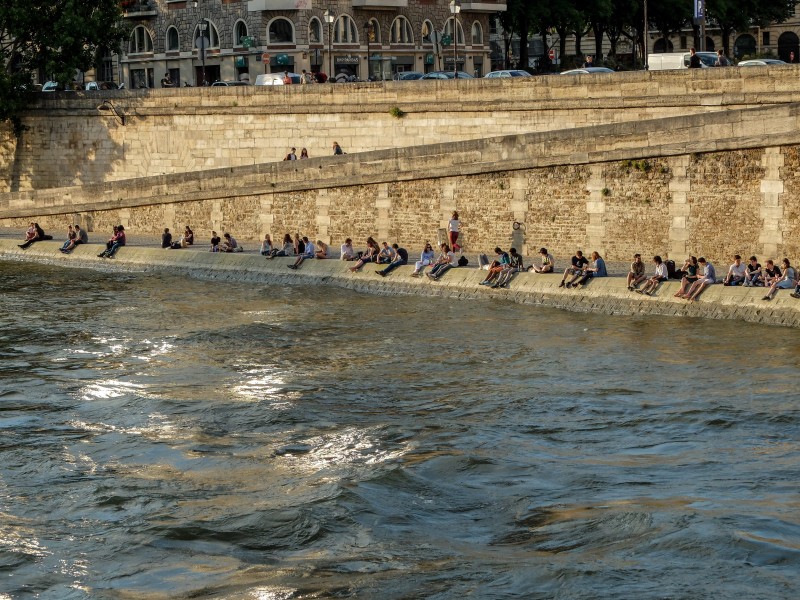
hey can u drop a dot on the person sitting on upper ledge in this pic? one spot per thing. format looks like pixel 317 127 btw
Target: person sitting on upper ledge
pixel 322 250
pixel 736 272
pixel 500 263
pixel 347 251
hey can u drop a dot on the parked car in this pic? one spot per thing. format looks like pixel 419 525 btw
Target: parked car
pixel 277 78
pixel 100 85
pixel 230 83
pixel 762 62
pixel 587 71
pixel 507 73
pixel 408 76
pixel 446 75
pixel 668 61
pixel 54 86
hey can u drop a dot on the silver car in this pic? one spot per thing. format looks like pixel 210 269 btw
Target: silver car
pixel 508 73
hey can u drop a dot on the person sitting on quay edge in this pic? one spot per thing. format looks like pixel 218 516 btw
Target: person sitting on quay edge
pixel 708 278
pixel 299 245
pixel 322 250
pixel 266 246
pixel 229 244
pixel 498 264
pixel 291 155
pixel 188 237
pixel 736 272
pixel 368 256
pixel 548 264
pixel 597 269
pixel 579 263
pixel 286 250
pixel 70 239
pixel 514 266
pixel 166 239
pixel 753 273
pixel 34 234
pixel 347 251
pixel 446 261
pixel 689 270
pixel 661 274
pixel 81 237
pixel 426 258
pixel 308 252
pixel 400 259
pixel 786 282
pixel 215 240
pixel 116 242
pixel 337 149
pixel 636 274
pixel 386 255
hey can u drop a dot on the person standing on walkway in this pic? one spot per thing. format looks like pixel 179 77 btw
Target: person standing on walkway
pixel 453 228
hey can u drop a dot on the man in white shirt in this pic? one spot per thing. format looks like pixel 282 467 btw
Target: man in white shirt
pixel 661 274
pixel 736 272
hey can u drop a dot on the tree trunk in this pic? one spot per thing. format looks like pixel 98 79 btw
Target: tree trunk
pixel 598 43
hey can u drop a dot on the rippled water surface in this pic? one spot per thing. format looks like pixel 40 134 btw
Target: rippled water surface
pixel 163 437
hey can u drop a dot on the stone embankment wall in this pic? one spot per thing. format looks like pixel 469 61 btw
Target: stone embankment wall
pixel 69 142
pixel 712 185
pixel 605 296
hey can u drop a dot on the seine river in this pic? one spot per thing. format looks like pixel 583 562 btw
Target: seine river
pixel 165 437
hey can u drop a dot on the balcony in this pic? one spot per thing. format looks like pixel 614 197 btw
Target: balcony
pixel 260 5
pixel 380 4
pixel 138 9
pixel 487 6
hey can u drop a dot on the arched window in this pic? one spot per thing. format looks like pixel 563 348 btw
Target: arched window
pixel 788 42
pixel 374 31
pixel 173 41
pixel 477 34
pixel 662 45
pixel 345 31
pixel 745 45
pixel 239 32
pixel 427 30
pixel 141 41
pixel 315 31
pixel 448 30
pixel 281 31
pixel 401 32
pixel 211 33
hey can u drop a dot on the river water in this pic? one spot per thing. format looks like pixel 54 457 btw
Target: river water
pixel 167 437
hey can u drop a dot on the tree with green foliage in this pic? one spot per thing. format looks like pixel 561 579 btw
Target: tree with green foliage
pixel 56 37
pixel 741 15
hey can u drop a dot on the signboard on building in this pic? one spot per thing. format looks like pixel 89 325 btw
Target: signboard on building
pixel 699 9
pixel 346 60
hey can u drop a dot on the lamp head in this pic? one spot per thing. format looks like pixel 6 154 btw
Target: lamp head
pixel 455 6
pixel 194 4
pixel 328 16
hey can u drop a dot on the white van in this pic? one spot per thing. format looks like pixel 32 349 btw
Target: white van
pixel 667 61
pixel 276 78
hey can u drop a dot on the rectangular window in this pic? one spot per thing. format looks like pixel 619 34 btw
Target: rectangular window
pixel 765 38
pixel 684 43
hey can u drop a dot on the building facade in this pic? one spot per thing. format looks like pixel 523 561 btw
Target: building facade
pixel 223 40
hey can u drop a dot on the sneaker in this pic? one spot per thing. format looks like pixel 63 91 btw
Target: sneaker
pixel 639 291
pixel 561 284
pixel 101 255
pixel 766 298
pixel 568 286
pixel 381 273
pixel 795 295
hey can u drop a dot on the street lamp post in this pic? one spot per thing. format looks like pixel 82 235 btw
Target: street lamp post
pixel 455 8
pixel 368 26
pixel 200 42
pixel 329 19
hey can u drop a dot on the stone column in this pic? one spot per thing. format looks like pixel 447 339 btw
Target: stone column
pixel 447 204
pixel 383 203
pixel 323 216
pixel 596 210
pixel 265 217
pixel 772 208
pixel 519 207
pixel 679 208
pixel 216 216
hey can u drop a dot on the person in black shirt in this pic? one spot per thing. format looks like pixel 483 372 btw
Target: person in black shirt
pixel 579 263
pixel 401 258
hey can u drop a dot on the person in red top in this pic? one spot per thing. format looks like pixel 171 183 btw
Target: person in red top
pixel 286 79
pixel 116 242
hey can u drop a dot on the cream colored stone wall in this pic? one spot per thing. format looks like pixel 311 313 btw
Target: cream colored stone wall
pixel 69 142
pixel 714 184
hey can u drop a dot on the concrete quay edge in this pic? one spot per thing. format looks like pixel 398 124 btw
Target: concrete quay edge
pixel 602 296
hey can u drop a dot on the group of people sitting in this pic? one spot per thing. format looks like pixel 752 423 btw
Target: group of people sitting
pixel 34 234
pixel 186 240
